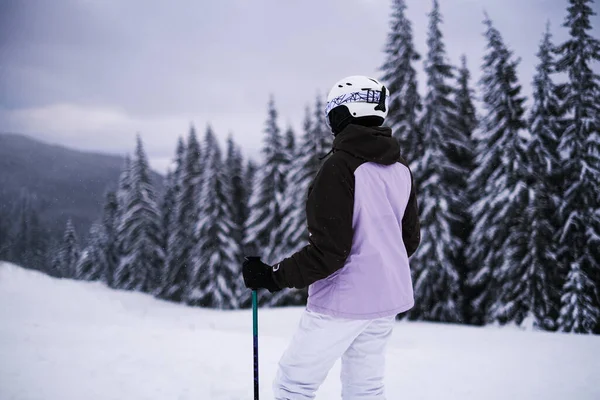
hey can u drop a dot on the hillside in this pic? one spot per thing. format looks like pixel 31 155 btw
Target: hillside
pixel 65 182
pixel 69 340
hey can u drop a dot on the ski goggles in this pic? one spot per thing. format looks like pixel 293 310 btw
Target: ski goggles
pixel 364 96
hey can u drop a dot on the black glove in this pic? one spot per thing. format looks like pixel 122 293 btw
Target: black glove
pixel 258 275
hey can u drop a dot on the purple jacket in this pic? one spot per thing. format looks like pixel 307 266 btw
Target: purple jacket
pixel 363 226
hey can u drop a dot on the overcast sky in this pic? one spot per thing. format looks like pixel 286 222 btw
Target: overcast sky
pixel 90 74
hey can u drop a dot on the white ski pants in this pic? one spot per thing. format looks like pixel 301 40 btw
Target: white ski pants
pixel 319 342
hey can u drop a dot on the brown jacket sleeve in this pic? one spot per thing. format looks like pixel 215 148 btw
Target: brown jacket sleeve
pixel 329 211
pixel 411 228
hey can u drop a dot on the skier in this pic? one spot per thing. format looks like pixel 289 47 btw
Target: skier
pixel 363 226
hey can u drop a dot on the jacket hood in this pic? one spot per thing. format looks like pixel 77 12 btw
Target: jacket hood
pixel 373 144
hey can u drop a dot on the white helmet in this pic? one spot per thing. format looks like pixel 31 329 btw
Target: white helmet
pixel 361 96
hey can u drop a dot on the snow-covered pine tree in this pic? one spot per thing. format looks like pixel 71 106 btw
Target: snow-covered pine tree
pixel 467 122
pixel 120 276
pixel 290 207
pixel 497 237
pixel 166 208
pixel 466 112
pixel 400 77
pixel 216 278
pixel 69 251
pixel 250 173
pixel 248 249
pixel 302 170
pixel 53 259
pixel 181 238
pixel 108 242
pixel 234 167
pixel 265 214
pixel 124 187
pixel 579 240
pixel 442 192
pixel 92 260
pixel 169 221
pixel 167 205
pixel 578 313
pixel 287 207
pixel 290 145
pixel 238 204
pixel 139 229
pixel 531 298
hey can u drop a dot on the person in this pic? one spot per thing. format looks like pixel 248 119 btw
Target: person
pixel 363 226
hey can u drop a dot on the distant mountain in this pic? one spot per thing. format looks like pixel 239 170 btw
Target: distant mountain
pixel 65 183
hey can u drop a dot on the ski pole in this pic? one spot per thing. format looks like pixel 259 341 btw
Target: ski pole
pixel 255 334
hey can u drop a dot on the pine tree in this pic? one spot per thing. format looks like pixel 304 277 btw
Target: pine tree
pixel 401 79
pixel 466 112
pixel 216 277
pixel 531 297
pixel 234 167
pixel 139 229
pixel 167 206
pixel 265 213
pixel 170 227
pixel 237 201
pixel 290 207
pixel 467 123
pixel 108 241
pixel 54 268
pixel 302 169
pixel 92 260
pixel 69 251
pixel 182 239
pixel 442 191
pixel 578 314
pixel 579 239
pixel 250 176
pixel 290 145
pixel 247 248
pixel 124 187
pixel 499 182
pixel 282 245
pixel 120 276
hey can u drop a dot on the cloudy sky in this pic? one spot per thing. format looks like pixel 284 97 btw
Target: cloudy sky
pixel 90 74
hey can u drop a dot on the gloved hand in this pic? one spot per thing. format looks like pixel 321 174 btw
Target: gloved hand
pixel 258 275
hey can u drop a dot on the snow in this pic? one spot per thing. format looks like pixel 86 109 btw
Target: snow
pixel 62 339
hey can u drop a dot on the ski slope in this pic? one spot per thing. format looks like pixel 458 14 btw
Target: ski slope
pixel 67 340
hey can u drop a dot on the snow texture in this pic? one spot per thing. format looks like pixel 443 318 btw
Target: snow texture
pixel 70 340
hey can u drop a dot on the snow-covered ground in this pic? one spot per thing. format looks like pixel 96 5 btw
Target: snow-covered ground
pixel 63 340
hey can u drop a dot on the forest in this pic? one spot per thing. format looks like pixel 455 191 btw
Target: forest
pixel 508 193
